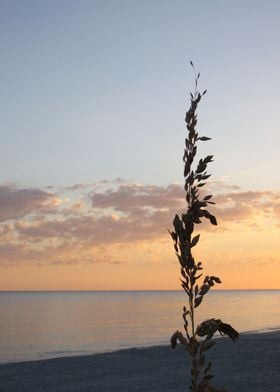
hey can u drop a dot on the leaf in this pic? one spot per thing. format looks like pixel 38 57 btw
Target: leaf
pixel 201 167
pixel 204 92
pixel 204 138
pixel 191 63
pixel 176 221
pixel 208 197
pixel 205 176
pixel 197 220
pixel 208 159
pixel 195 240
pixel 185 313
pixel 216 279
pixel 213 220
pixel 187 169
pixel 206 214
pixel 178 336
pixel 173 235
pixel 227 329
pixel 204 289
pixel 186 290
pixel 197 301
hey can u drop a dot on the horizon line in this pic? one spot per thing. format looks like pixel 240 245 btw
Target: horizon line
pixel 127 290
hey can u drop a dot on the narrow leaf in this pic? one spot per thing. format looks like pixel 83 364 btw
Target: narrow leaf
pixel 204 138
pixel 213 220
pixel 208 197
pixel 195 240
pixel 197 301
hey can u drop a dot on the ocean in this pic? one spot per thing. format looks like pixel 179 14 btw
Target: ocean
pixel 41 325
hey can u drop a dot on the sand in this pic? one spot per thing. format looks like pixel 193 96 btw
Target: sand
pixel 251 365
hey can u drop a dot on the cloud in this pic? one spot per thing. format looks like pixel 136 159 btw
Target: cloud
pixel 243 205
pixel 95 185
pixel 109 215
pixel 129 197
pixel 18 202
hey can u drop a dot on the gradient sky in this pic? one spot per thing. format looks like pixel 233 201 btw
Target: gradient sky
pixel 92 102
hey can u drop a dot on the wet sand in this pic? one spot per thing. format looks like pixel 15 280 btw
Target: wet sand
pixel 250 365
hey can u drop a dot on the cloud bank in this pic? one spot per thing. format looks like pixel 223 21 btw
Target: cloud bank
pixel 87 226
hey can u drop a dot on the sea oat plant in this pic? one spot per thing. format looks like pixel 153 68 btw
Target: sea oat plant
pixel 197 339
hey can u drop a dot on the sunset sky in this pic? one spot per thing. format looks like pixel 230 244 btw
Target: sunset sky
pixel 92 103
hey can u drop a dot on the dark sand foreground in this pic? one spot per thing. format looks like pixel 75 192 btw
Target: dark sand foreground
pixel 251 365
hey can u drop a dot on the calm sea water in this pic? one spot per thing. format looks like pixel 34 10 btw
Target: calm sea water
pixel 39 325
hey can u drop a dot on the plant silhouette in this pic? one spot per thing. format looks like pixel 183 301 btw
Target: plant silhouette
pixel 196 339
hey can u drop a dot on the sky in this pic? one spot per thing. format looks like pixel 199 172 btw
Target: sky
pixel 92 103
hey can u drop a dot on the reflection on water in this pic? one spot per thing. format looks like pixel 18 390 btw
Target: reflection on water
pixel 52 324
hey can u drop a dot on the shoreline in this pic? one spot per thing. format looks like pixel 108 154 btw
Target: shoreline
pixel 251 364
pixel 114 350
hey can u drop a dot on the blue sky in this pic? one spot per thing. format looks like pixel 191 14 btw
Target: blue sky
pixel 94 90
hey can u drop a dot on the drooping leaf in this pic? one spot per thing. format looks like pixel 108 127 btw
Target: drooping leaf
pixel 227 329
pixel 178 336
pixel 216 279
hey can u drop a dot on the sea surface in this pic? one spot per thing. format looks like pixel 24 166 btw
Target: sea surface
pixel 41 325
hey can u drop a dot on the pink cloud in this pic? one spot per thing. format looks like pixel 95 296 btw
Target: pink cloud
pixel 18 202
pixel 125 213
pixel 133 196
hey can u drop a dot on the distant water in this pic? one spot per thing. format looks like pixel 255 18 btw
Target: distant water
pixel 39 325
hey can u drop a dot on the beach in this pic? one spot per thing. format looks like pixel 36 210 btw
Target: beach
pixel 250 365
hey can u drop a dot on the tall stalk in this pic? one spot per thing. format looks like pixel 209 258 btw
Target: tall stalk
pixel 196 339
